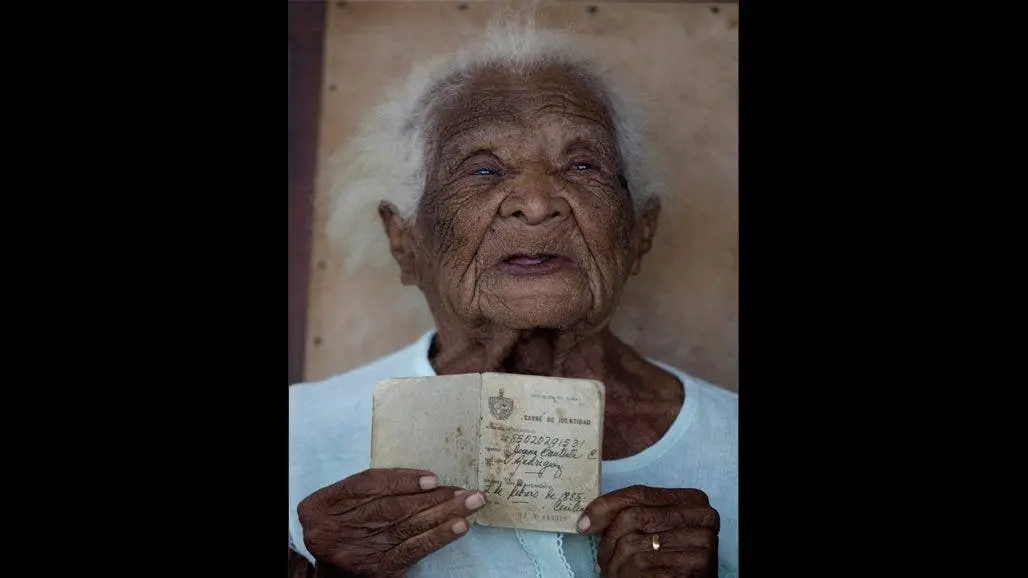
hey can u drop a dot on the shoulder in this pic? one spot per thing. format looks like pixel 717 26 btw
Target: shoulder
pixel 400 363
pixel 715 401
pixel 319 411
pixel 712 400
pixel 703 442
pixel 705 451
pixel 716 422
pixel 330 420
pixel 715 416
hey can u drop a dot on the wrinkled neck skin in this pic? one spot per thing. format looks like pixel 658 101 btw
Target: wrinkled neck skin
pixel 642 400
pixel 548 352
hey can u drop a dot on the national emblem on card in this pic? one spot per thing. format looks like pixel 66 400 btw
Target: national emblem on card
pixel 501 407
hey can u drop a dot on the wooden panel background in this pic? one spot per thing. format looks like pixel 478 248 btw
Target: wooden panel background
pixel 683 307
pixel 306 22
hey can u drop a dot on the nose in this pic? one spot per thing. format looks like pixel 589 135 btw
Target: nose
pixel 534 204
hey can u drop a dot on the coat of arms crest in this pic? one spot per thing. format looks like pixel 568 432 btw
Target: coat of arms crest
pixel 501 407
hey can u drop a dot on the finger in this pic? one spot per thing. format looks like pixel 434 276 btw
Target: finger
pixel 391 481
pixel 368 485
pixel 461 504
pixel 600 513
pixel 380 512
pixel 686 564
pixel 654 520
pixel 673 541
pixel 410 551
pixel 378 482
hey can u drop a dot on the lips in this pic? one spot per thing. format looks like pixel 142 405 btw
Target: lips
pixel 533 264
pixel 528 260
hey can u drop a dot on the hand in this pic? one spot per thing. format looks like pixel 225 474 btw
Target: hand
pixel 628 519
pixel 382 521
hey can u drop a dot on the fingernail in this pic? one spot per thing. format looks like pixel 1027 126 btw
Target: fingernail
pixel 428 482
pixel 583 523
pixel 459 527
pixel 474 501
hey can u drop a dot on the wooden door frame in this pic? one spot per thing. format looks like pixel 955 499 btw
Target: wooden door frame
pixel 306 46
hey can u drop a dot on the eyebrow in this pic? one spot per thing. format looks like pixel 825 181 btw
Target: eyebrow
pixel 596 141
pixel 467 140
pixel 450 162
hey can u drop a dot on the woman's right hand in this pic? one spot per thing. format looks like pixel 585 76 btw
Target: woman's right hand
pixel 381 522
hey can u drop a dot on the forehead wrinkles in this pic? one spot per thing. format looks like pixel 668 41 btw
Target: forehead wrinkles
pixel 472 112
pixel 562 103
pixel 494 99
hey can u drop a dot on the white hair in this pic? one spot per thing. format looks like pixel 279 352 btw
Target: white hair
pixel 386 160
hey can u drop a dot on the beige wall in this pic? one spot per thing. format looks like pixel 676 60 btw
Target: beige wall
pixel 683 307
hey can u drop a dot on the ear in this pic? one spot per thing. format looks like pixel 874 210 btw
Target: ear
pixel 400 241
pixel 646 228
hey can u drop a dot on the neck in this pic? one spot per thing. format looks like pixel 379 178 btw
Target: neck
pixel 549 352
pixel 642 400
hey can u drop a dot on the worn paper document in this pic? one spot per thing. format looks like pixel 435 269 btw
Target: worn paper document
pixel 532 445
pixel 429 423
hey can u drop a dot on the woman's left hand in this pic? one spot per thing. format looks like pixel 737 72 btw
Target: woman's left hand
pixel 654 532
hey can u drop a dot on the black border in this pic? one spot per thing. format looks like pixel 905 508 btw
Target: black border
pixel 180 459
pixel 843 322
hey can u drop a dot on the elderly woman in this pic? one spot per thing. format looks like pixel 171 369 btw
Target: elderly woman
pixel 519 197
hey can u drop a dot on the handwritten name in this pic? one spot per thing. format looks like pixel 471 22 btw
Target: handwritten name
pixel 562 453
pixel 524 456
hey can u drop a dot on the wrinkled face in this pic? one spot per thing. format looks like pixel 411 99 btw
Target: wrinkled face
pixel 525 221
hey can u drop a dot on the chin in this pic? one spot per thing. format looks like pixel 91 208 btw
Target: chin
pixel 536 313
pixel 555 300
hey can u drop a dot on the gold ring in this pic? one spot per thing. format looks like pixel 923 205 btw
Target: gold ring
pixel 655 540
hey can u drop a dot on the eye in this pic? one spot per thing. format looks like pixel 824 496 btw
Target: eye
pixel 484 171
pixel 581 166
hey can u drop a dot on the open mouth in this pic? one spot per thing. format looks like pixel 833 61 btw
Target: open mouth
pixel 528 260
pixel 533 263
